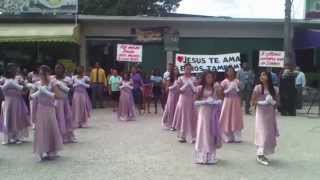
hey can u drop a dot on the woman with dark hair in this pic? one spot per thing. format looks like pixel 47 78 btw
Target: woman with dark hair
pixel 185 114
pixel 137 87
pixel 265 97
pixel 126 111
pixel 63 109
pixel 47 138
pixel 173 96
pixel 209 101
pixel 14 119
pixel 231 120
pixel 81 104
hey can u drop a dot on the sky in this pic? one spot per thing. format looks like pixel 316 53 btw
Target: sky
pixel 241 8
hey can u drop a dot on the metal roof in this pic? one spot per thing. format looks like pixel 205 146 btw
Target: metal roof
pixel 98 18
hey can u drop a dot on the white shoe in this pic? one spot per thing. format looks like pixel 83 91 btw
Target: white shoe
pixel 263 160
pixel 213 161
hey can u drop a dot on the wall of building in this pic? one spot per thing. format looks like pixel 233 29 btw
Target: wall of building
pixel 196 38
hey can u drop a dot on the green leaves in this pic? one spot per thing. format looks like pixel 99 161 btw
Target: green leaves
pixel 128 7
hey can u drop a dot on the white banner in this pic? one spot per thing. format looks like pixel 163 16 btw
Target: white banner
pixel 129 53
pixel 201 63
pixel 271 59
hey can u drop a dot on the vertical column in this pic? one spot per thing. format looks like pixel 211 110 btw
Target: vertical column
pixel 170 57
pixel 83 49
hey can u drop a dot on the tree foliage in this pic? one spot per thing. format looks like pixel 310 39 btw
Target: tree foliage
pixel 128 7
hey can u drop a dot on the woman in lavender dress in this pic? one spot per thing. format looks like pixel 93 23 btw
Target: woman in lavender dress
pixel 185 114
pixel 33 77
pixel 14 119
pixel 126 110
pixel 137 88
pixel 81 104
pixel 208 130
pixel 173 96
pixel 63 109
pixel 47 138
pixel 265 97
pixel 231 120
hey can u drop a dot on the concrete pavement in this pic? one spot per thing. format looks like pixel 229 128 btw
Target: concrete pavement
pixel 112 150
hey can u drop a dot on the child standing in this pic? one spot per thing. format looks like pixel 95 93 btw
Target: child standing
pixel 81 104
pixel 126 110
pixel 265 97
pixel 185 114
pixel 14 119
pixel 231 120
pixel 114 90
pixel 157 89
pixel 47 138
pixel 173 96
pixel 147 92
pixel 208 131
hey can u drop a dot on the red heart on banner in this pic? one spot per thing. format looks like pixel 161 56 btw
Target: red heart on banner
pixel 180 58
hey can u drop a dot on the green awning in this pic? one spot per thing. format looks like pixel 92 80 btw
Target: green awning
pixel 39 33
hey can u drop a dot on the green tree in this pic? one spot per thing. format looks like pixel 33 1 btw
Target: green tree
pixel 128 7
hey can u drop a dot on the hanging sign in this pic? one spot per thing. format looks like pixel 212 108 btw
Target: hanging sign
pixel 129 53
pixel 201 63
pixel 271 59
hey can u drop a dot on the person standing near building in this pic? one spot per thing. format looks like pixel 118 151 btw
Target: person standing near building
pixel 157 89
pixel 81 104
pixel 300 83
pixel 246 78
pixel 126 110
pixel 14 118
pixel 114 88
pixel 166 79
pixel 185 115
pixel 137 88
pixel 47 138
pixel 98 83
pixel 265 98
pixel 173 96
pixel 209 101
pixel 63 109
pixel 274 76
pixel 231 119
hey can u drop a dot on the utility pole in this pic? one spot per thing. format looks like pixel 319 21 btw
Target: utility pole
pixel 289 54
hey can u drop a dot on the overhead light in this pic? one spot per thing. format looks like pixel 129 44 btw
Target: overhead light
pixel 0 12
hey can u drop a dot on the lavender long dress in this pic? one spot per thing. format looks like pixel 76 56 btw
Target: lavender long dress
pixel 231 120
pixel 208 129
pixel 185 117
pixel 168 115
pixel 81 105
pixel 266 129
pixel 34 79
pixel 47 137
pixel 14 118
pixel 126 111
pixel 64 116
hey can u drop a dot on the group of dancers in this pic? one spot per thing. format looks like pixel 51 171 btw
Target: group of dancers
pixel 204 111
pixel 56 106
pixel 208 113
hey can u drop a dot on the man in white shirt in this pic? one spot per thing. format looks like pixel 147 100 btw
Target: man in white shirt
pixel 300 84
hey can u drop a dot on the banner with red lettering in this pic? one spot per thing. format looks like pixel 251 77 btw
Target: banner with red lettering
pixel 201 63
pixel 129 53
pixel 271 59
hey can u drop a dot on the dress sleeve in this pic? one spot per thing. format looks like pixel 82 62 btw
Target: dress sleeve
pixel 255 94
